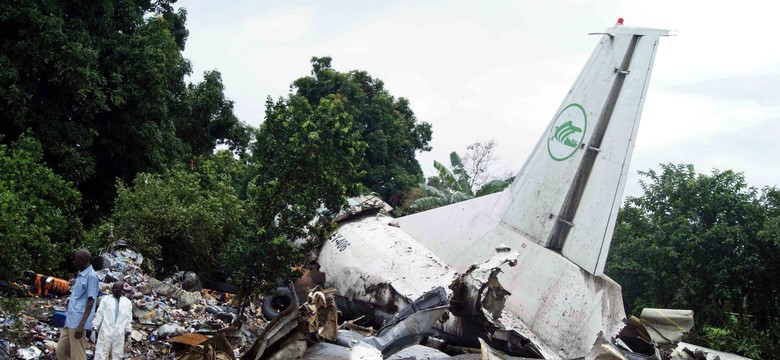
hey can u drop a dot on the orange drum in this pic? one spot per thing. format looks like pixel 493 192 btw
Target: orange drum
pixel 45 285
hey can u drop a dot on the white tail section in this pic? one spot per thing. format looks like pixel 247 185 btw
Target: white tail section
pixel 567 194
pixel 561 210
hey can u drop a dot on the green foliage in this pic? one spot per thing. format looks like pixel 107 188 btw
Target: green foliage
pixel 101 85
pixel 306 159
pixel 211 120
pixel 703 242
pixel 740 336
pixel 37 212
pixel 452 186
pixel 224 164
pixel 179 218
pixel 493 186
pixel 386 124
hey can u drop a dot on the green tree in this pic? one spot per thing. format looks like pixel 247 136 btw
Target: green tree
pixel 306 158
pixel 180 218
pixel 223 163
pixel 101 85
pixel 37 212
pixel 211 120
pixel 452 186
pixel 707 243
pixel 386 124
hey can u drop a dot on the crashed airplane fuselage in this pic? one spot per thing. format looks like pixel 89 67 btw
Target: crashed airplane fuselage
pixel 557 217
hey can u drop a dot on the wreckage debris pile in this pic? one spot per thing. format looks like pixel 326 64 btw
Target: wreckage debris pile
pixel 162 310
pixel 28 335
pixel 177 318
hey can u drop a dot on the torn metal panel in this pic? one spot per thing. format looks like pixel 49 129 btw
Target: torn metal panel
pixel 369 312
pixel 276 331
pixel 667 326
pixel 419 352
pixel 215 348
pixel 347 338
pixel 321 314
pixel 478 293
pixel 709 354
pixel 362 330
pixel 374 281
pixel 293 347
pixel 431 299
pixel 478 301
pixel 368 261
pixel 326 351
pixel 363 351
pixel 310 278
pixel 362 205
pixel 603 349
pixel 488 353
pixel 406 332
pixel 406 329
pixel 635 337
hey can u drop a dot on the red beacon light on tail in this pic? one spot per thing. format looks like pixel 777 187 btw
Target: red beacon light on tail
pixel 619 22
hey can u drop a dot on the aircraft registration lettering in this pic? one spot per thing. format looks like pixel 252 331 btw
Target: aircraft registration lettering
pixel 567 132
pixel 341 242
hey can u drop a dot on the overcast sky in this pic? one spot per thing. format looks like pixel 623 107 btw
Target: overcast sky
pixel 499 69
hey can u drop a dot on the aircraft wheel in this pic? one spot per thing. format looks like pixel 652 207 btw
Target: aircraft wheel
pixel 275 303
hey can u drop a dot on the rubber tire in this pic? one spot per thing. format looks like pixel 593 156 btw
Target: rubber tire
pixel 271 303
pixel 100 263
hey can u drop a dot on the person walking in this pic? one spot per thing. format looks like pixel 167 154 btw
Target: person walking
pixel 113 321
pixel 81 305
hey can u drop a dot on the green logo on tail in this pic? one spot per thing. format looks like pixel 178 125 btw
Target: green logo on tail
pixel 567 133
pixel 563 133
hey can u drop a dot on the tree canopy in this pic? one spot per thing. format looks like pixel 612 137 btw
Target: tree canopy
pixel 709 243
pixel 38 221
pixel 386 124
pixel 177 219
pixel 101 85
pixel 305 162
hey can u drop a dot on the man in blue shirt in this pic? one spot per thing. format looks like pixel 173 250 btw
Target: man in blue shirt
pixel 81 306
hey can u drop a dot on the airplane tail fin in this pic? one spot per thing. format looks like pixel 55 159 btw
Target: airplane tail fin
pixel 567 194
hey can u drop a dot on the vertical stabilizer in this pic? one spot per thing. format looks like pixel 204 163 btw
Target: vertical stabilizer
pixel 560 212
pixel 567 194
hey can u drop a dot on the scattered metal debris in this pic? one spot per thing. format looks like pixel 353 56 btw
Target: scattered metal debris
pixel 168 321
pixel 370 318
pixel 667 327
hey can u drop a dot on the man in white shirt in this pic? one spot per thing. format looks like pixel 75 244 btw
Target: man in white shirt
pixel 114 319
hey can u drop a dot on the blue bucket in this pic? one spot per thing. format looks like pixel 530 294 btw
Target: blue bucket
pixel 58 319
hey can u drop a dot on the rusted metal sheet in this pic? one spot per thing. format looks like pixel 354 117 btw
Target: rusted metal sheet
pixel 215 348
pixel 191 339
pixel 310 278
pixel 321 314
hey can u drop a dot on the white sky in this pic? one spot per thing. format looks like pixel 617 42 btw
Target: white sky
pixel 499 69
